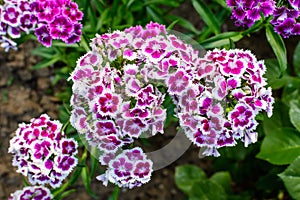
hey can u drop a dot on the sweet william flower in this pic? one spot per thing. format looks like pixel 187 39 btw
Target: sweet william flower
pixel 32 193
pixel 48 19
pixel 42 153
pixel 129 169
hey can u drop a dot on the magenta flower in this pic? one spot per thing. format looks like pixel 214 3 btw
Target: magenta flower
pixel 42 153
pixel 155 49
pixel 246 12
pixel 43 35
pixel 209 124
pixel 285 22
pixel 50 11
pixel 241 116
pixel 73 12
pixel 129 169
pixel 295 4
pixel 51 19
pixel 177 82
pixel 32 192
pixel 11 16
pixel 60 28
pixel 108 104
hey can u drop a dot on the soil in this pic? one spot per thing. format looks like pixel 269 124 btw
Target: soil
pixel 26 93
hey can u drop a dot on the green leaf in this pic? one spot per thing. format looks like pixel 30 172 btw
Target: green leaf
pixel 277 119
pixel 44 52
pixel 184 23
pixel 280 147
pixel 221 40
pixel 115 194
pixel 277 44
pixel 163 2
pixel 295 114
pixel 223 179
pixel 46 63
pixel 187 175
pixel 207 15
pixel 222 3
pixel 296 60
pixel 273 74
pixel 207 190
pixel 65 194
pixel 154 15
pixel 291 178
pixel 86 179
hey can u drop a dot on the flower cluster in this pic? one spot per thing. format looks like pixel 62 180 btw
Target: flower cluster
pixel 227 93
pixel 116 97
pixel 246 12
pixel 57 19
pixel 120 85
pixel 42 153
pixel 32 193
pixel 49 19
pixel 285 20
pixel 129 169
pixel 16 17
pixel 114 101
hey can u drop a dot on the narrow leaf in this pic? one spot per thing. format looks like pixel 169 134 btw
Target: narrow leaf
pixel 277 44
pixel 207 15
pixel 45 63
pixel 221 39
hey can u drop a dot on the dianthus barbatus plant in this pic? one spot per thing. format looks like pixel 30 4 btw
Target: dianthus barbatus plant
pixel 120 85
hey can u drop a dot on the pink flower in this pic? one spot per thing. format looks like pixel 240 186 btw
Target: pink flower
pixel 42 153
pixel 108 104
pixel 177 82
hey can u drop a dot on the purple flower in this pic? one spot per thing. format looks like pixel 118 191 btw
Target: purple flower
pixel 28 22
pixel 42 153
pixel 11 16
pixel 43 35
pixel 155 49
pixel 50 10
pixel 246 12
pixel 241 116
pixel 225 109
pixel 177 82
pixel 129 169
pixel 108 104
pixel 60 28
pixel 73 12
pixel 295 4
pixel 285 23
pixel 74 35
pixel 32 192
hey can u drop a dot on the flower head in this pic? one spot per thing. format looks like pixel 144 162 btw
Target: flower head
pixel 230 97
pixel 42 153
pixel 32 193
pixel 129 169
pixel 48 19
